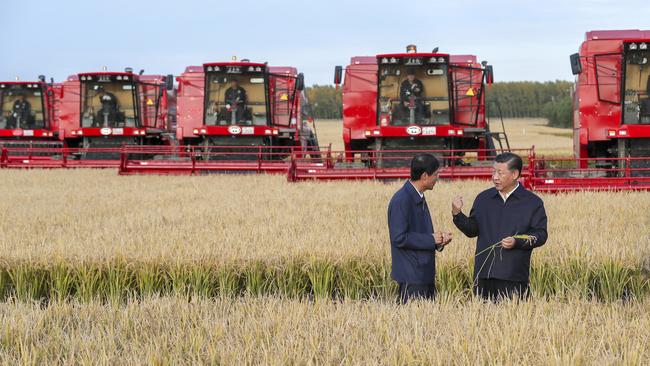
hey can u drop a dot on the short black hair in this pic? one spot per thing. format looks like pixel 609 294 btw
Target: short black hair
pixel 512 160
pixel 423 163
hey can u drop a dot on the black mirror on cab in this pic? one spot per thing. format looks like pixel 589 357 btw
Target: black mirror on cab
pixel 489 74
pixel 169 82
pixel 338 75
pixel 300 82
pixel 576 66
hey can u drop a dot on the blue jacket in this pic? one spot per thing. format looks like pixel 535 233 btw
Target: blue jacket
pixel 411 237
pixel 492 220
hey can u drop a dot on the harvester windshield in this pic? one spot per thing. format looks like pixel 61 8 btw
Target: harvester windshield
pixel 637 83
pixel 414 90
pixel 236 95
pixel 109 101
pixel 22 106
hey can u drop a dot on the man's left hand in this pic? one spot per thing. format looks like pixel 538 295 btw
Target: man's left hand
pixel 508 243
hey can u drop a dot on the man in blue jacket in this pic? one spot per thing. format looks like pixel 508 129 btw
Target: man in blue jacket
pixel 413 242
pixel 511 217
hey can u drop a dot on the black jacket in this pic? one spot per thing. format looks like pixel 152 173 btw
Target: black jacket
pixel 236 96
pixel 412 245
pixel 493 220
pixel 407 89
pixel 108 101
pixel 21 109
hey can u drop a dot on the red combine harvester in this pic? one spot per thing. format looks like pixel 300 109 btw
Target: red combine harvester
pixel 102 111
pixel 234 116
pixel 27 121
pixel 395 105
pixel 97 114
pixel 611 117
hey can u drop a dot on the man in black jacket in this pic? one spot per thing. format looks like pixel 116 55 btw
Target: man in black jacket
pixel 413 242
pixel 20 113
pixel 236 100
pixel 510 221
pixel 411 92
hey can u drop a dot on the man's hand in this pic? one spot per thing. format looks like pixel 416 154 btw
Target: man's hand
pixel 438 238
pixel 508 243
pixel 446 238
pixel 457 205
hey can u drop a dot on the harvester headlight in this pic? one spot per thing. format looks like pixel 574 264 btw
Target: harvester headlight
pixel 203 130
pixel 643 46
pixel 251 68
pixel 195 131
pixel 74 133
pixel 83 78
pixel 441 59
pixel 384 60
pixel 611 133
pixel 80 132
pixel 393 60
pixel 125 78
pixel 367 133
pixel 209 68
pixel 216 68
pixel 433 60
pixel 633 46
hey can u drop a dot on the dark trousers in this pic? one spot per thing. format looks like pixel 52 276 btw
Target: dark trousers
pixel 495 290
pixel 410 291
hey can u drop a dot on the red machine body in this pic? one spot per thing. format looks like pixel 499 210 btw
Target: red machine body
pixel 453 103
pixel 271 117
pixel 139 117
pixel 611 118
pixel 611 99
pixel 37 123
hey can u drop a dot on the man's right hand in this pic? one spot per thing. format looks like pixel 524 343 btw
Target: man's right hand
pixel 438 238
pixel 457 205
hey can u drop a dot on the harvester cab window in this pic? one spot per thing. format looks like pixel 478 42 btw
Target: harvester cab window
pixel 236 95
pixel 636 108
pixel 414 90
pixel 108 101
pixel 22 106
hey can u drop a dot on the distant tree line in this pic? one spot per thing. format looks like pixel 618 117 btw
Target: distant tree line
pixel 326 101
pixel 528 99
pixel 518 99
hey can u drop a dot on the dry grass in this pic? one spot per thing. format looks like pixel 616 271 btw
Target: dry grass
pixel 279 332
pixel 98 216
pixel 522 133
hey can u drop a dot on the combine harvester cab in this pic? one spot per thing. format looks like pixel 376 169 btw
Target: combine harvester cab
pixel 611 117
pixel 395 105
pixel 27 122
pixel 235 117
pixel 101 112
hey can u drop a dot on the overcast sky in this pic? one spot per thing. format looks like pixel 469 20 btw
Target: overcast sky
pixel 524 40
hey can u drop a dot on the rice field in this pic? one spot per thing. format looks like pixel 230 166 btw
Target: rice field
pixel 248 269
pixel 273 331
pixel 93 234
